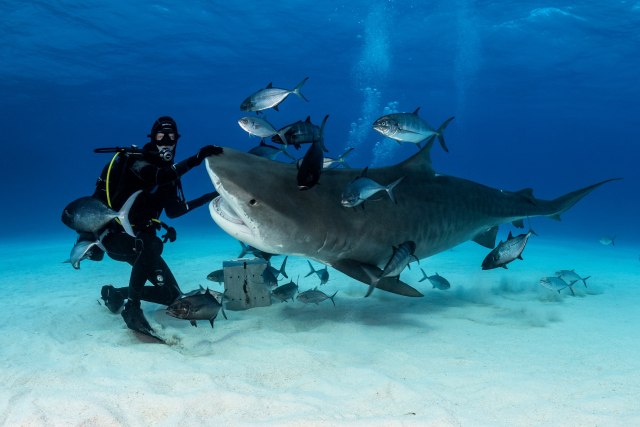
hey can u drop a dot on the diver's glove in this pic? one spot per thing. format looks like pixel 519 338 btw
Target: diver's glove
pixel 193 161
pixel 206 151
pixel 204 199
pixel 170 235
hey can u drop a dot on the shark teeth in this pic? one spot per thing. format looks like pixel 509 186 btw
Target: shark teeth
pixel 223 209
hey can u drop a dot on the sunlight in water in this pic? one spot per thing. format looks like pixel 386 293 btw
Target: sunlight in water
pixel 371 71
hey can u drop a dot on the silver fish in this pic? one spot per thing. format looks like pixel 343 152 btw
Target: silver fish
pixel 310 168
pixel 259 127
pixel 571 276
pixel 286 291
pixel 269 151
pixel 88 214
pixel 270 97
pixel 436 280
pixel 556 284
pixel 506 251
pixel 198 306
pixel 400 258
pixel 270 274
pixel 329 163
pixel 315 296
pixel 248 249
pixel 361 188
pixel 82 250
pixel 298 133
pixel 322 274
pixel 409 127
pixel 216 276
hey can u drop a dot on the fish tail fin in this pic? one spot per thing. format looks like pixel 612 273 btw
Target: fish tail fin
pixel 564 203
pixel 296 90
pixel 123 215
pixel 424 275
pixel 286 153
pixel 373 279
pixel 283 137
pixel 331 298
pixel 324 122
pixel 313 270
pixel 282 267
pixel 584 280
pixel 389 189
pixel 440 131
pixel 245 249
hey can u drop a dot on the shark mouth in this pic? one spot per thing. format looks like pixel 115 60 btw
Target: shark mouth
pixel 233 220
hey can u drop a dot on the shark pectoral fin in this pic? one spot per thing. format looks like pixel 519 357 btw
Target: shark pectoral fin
pixel 487 238
pixel 355 270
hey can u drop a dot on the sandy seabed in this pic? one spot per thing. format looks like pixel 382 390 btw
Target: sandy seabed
pixel 497 349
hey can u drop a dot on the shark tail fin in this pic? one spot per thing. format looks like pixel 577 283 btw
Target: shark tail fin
pixel 439 132
pixel 123 215
pixel 564 203
pixel 389 189
pixel 296 90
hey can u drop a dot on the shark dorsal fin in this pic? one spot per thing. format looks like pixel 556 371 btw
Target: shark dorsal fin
pixel 269 86
pixel 527 193
pixel 308 120
pixel 421 160
pixel 417 110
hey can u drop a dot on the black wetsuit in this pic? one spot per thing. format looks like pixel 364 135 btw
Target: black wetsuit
pixel 162 191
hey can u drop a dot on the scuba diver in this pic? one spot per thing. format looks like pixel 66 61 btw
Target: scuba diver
pixel 152 170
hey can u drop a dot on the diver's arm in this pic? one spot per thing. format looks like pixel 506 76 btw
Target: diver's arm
pixel 181 207
pixel 153 175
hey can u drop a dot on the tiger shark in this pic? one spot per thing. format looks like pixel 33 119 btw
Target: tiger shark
pixel 260 205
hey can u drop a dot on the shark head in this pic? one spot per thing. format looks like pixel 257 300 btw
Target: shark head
pixel 260 204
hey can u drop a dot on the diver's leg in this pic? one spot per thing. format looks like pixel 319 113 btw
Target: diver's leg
pixel 165 290
pixel 120 247
pixel 148 247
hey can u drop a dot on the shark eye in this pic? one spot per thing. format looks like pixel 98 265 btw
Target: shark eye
pixel 252 202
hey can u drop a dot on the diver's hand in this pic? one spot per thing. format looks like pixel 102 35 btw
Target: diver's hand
pixel 206 151
pixel 170 235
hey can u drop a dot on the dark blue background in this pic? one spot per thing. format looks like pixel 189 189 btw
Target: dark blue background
pixel 545 95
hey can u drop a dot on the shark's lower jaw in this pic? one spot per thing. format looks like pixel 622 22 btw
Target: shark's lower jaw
pixel 227 219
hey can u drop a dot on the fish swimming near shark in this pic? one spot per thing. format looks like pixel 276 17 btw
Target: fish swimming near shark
pixel 258 126
pixel 507 251
pixel 410 127
pixel 82 250
pixel 437 281
pixel 400 258
pixel 285 292
pixel 270 97
pixel 197 305
pixel 310 167
pixel 361 188
pixel 88 214
pixel 323 273
pixel 260 204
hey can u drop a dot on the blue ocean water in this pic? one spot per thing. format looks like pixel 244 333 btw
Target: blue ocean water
pixel 545 95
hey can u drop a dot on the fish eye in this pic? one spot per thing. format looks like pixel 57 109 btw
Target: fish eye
pixel 253 202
